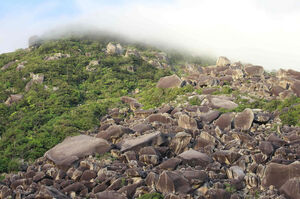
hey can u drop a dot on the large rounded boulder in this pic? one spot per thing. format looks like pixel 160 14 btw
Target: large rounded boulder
pixel 74 148
pixel 172 81
pixel 243 121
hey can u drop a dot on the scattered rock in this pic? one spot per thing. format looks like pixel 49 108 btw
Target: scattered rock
pixel 114 49
pixel 57 56
pixel 6 66
pixel 13 99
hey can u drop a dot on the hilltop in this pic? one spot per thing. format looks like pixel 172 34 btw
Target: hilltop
pixel 144 122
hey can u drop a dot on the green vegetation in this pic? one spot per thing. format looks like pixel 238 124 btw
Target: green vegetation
pixel 105 156
pixel 223 90
pixel 152 96
pixel 44 117
pixel 195 101
pixel 289 108
pixel 151 196
pixel 72 99
pixel 230 188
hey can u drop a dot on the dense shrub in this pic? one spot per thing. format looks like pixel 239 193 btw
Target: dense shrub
pixel 44 117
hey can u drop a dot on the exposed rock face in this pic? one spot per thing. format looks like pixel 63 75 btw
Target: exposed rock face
pixel 279 174
pixel 295 86
pixel 110 195
pixel 133 103
pixel 57 56
pixel 288 73
pixel 291 188
pixel 91 65
pixel 171 182
pixel 170 164
pixel 6 66
pixel 132 52
pixel 180 142
pixel 223 61
pixel 114 49
pixel 13 99
pixel 74 148
pixel 223 103
pixel 155 139
pixel 194 158
pixel 114 132
pixel 187 122
pixel 235 172
pixel 276 90
pixel 209 116
pixel 35 79
pixel 243 120
pixel 224 122
pixel 172 81
pixel 266 147
pixel 21 66
pixel 159 117
pixel 254 70
pixel 226 156
pixel 50 192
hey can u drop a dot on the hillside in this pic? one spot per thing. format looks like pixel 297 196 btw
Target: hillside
pixel 146 123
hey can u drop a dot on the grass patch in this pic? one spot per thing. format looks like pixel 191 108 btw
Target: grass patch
pixel 151 196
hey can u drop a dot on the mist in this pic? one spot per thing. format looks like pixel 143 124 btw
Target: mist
pixel 252 31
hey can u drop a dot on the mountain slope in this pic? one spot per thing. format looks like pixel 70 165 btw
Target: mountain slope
pixel 68 100
pixel 147 121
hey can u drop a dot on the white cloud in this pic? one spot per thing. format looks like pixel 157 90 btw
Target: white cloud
pixel 260 32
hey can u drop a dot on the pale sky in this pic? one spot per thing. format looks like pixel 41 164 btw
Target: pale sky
pixel 262 32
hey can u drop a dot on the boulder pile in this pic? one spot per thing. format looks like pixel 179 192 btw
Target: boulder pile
pixel 181 151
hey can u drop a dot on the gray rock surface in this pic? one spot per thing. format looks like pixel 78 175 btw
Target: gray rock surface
pixel 74 148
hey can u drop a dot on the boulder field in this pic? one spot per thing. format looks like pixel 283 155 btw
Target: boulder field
pixel 178 150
